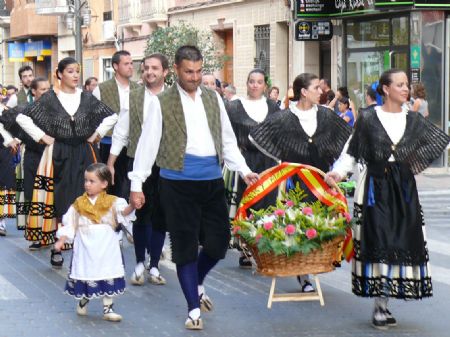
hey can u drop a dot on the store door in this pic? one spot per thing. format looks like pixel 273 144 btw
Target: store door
pixel 365 67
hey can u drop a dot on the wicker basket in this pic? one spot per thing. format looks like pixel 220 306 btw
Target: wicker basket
pixel 317 261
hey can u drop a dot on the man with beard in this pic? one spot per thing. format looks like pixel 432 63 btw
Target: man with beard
pixel 24 96
pixel 148 229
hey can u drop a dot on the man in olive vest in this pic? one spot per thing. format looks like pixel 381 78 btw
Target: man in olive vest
pixel 24 96
pixel 148 229
pixel 188 133
pixel 115 94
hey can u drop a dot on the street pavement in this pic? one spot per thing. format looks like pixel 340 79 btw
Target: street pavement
pixel 32 302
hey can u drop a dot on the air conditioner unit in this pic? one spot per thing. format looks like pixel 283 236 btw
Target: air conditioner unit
pixel 109 30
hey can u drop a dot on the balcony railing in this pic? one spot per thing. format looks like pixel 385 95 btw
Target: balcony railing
pixel 52 7
pixel 134 12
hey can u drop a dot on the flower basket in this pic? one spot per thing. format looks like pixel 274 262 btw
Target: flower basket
pixel 318 261
pixel 293 237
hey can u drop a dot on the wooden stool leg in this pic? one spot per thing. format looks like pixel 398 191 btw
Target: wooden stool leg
pixel 271 292
pixel 319 290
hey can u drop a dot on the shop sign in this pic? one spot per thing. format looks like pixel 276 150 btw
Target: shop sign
pixel 432 4
pixel 332 8
pixel 415 56
pixel 313 30
pixel 16 51
pixel 393 3
pixel 415 75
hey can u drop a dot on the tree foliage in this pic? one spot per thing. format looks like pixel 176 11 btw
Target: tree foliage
pixel 168 39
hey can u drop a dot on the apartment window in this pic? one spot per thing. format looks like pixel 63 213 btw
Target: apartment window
pixel 107 16
pixel 108 70
pixel 262 41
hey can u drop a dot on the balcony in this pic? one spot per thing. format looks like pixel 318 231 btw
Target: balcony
pixel 137 12
pixel 52 7
pixel 4 15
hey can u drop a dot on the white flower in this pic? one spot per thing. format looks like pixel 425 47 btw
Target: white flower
pixel 288 241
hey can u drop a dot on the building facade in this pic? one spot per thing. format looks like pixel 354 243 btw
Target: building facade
pixel 372 36
pixel 252 34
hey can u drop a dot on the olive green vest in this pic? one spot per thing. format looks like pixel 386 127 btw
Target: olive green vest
pixel 109 94
pixel 22 98
pixel 173 143
pixel 137 97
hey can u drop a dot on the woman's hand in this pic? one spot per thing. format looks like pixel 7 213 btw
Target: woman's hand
pixel 95 138
pixel 251 178
pixel 332 178
pixel 14 146
pixel 47 140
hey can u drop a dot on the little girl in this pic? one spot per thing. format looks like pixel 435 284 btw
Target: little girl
pixel 97 268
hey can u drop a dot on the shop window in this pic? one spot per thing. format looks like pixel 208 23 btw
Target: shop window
pixel 368 34
pixel 262 41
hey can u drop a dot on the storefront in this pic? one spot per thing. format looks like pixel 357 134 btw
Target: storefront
pixel 38 53
pixel 377 35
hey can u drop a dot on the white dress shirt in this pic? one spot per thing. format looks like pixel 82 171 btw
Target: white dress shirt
pixel 199 139
pixel 393 122
pixel 256 109
pixel 7 137
pixel 70 103
pixel 124 96
pixel 307 118
pixel 121 133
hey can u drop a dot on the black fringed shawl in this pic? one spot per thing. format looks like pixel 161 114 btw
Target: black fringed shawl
pixel 421 143
pixel 8 119
pixel 49 115
pixel 242 123
pixel 282 137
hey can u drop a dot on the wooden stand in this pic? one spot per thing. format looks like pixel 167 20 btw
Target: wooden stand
pixel 312 296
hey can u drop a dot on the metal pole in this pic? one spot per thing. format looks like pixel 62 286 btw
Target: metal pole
pixel 78 38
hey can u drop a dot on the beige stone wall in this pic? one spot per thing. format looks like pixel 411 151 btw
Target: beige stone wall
pixel 25 22
pixel 243 16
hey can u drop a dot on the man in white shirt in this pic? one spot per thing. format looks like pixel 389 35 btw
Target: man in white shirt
pixel 188 133
pixel 115 94
pixel 24 96
pixel 148 229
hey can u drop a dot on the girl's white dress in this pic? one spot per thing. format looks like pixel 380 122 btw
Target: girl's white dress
pixel 97 267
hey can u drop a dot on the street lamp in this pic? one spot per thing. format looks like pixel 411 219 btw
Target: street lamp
pixel 79 14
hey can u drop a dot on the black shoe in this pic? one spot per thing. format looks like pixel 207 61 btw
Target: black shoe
pixel 35 246
pixel 245 262
pixel 307 287
pixel 379 320
pixel 391 321
pixel 56 259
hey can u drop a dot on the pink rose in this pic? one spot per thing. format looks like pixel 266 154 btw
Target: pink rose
pixel 307 211
pixel 289 203
pixel 279 212
pixel 236 229
pixel 347 217
pixel 268 226
pixel 311 233
pixel 258 237
pixel 290 229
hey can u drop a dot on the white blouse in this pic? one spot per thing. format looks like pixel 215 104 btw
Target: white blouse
pixel 70 103
pixel 256 109
pixel 307 118
pixel 96 249
pixel 393 122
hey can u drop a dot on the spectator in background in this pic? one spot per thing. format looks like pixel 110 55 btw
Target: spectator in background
pixel 287 98
pixel 219 87
pixel 325 85
pixel 10 91
pixel 229 93
pixel 209 81
pixel 340 93
pixel 371 100
pixel 274 93
pixel 344 111
pixel 419 95
pixel 90 84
